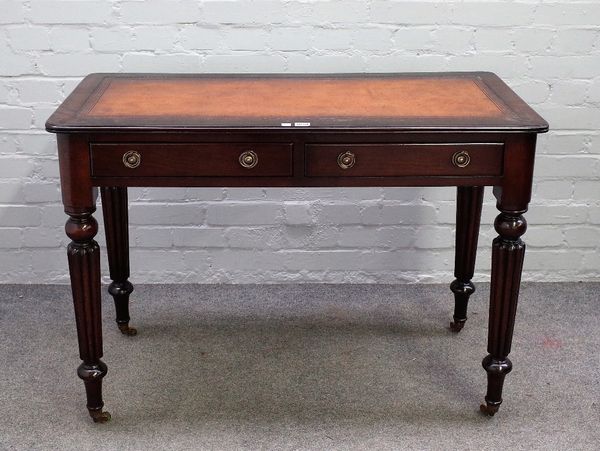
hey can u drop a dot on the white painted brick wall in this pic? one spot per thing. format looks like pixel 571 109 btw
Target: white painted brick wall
pixel 549 52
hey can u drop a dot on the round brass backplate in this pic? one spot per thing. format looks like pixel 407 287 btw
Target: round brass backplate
pixel 346 160
pixel 132 159
pixel 461 159
pixel 248 159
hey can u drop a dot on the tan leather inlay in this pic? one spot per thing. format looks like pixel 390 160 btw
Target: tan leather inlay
pixel 295 99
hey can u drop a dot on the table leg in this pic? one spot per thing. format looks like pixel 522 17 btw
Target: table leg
pixel 508 252
pixel 116 225
pixel 84 267
pixel 468 216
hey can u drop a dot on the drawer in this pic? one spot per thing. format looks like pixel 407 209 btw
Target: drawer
pixel 397 160
pixel 191 159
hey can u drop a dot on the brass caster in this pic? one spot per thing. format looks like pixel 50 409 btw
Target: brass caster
pixel 488 410
pixel 99 416
pixel 127 330
pixel 457 326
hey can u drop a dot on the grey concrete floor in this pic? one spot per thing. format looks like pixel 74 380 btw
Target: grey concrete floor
pixel 301 367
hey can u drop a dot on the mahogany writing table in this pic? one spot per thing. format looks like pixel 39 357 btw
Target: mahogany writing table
pixel 450 129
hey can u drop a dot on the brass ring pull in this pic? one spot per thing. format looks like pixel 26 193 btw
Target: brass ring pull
pixel 132 159
pixel 248 159
pixel 346 160
pixel 461 159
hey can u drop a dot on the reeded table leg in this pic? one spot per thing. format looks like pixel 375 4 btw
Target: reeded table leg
pixel 468 216
pixel 508 252
pixel 116 224
pixel 84 266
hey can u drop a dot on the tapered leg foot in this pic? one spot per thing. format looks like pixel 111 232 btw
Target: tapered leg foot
pixel 126 329
pixel 489 409
pixel 120 291
pixel 99 416
pixel 496 369
pixel 457 325
pixel 92 375
pixel 462 290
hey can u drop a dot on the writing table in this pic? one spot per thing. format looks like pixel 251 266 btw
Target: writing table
pixel 466 130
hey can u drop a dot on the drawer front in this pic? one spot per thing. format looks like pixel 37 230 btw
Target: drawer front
pixel 397 160
pixel 191 160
